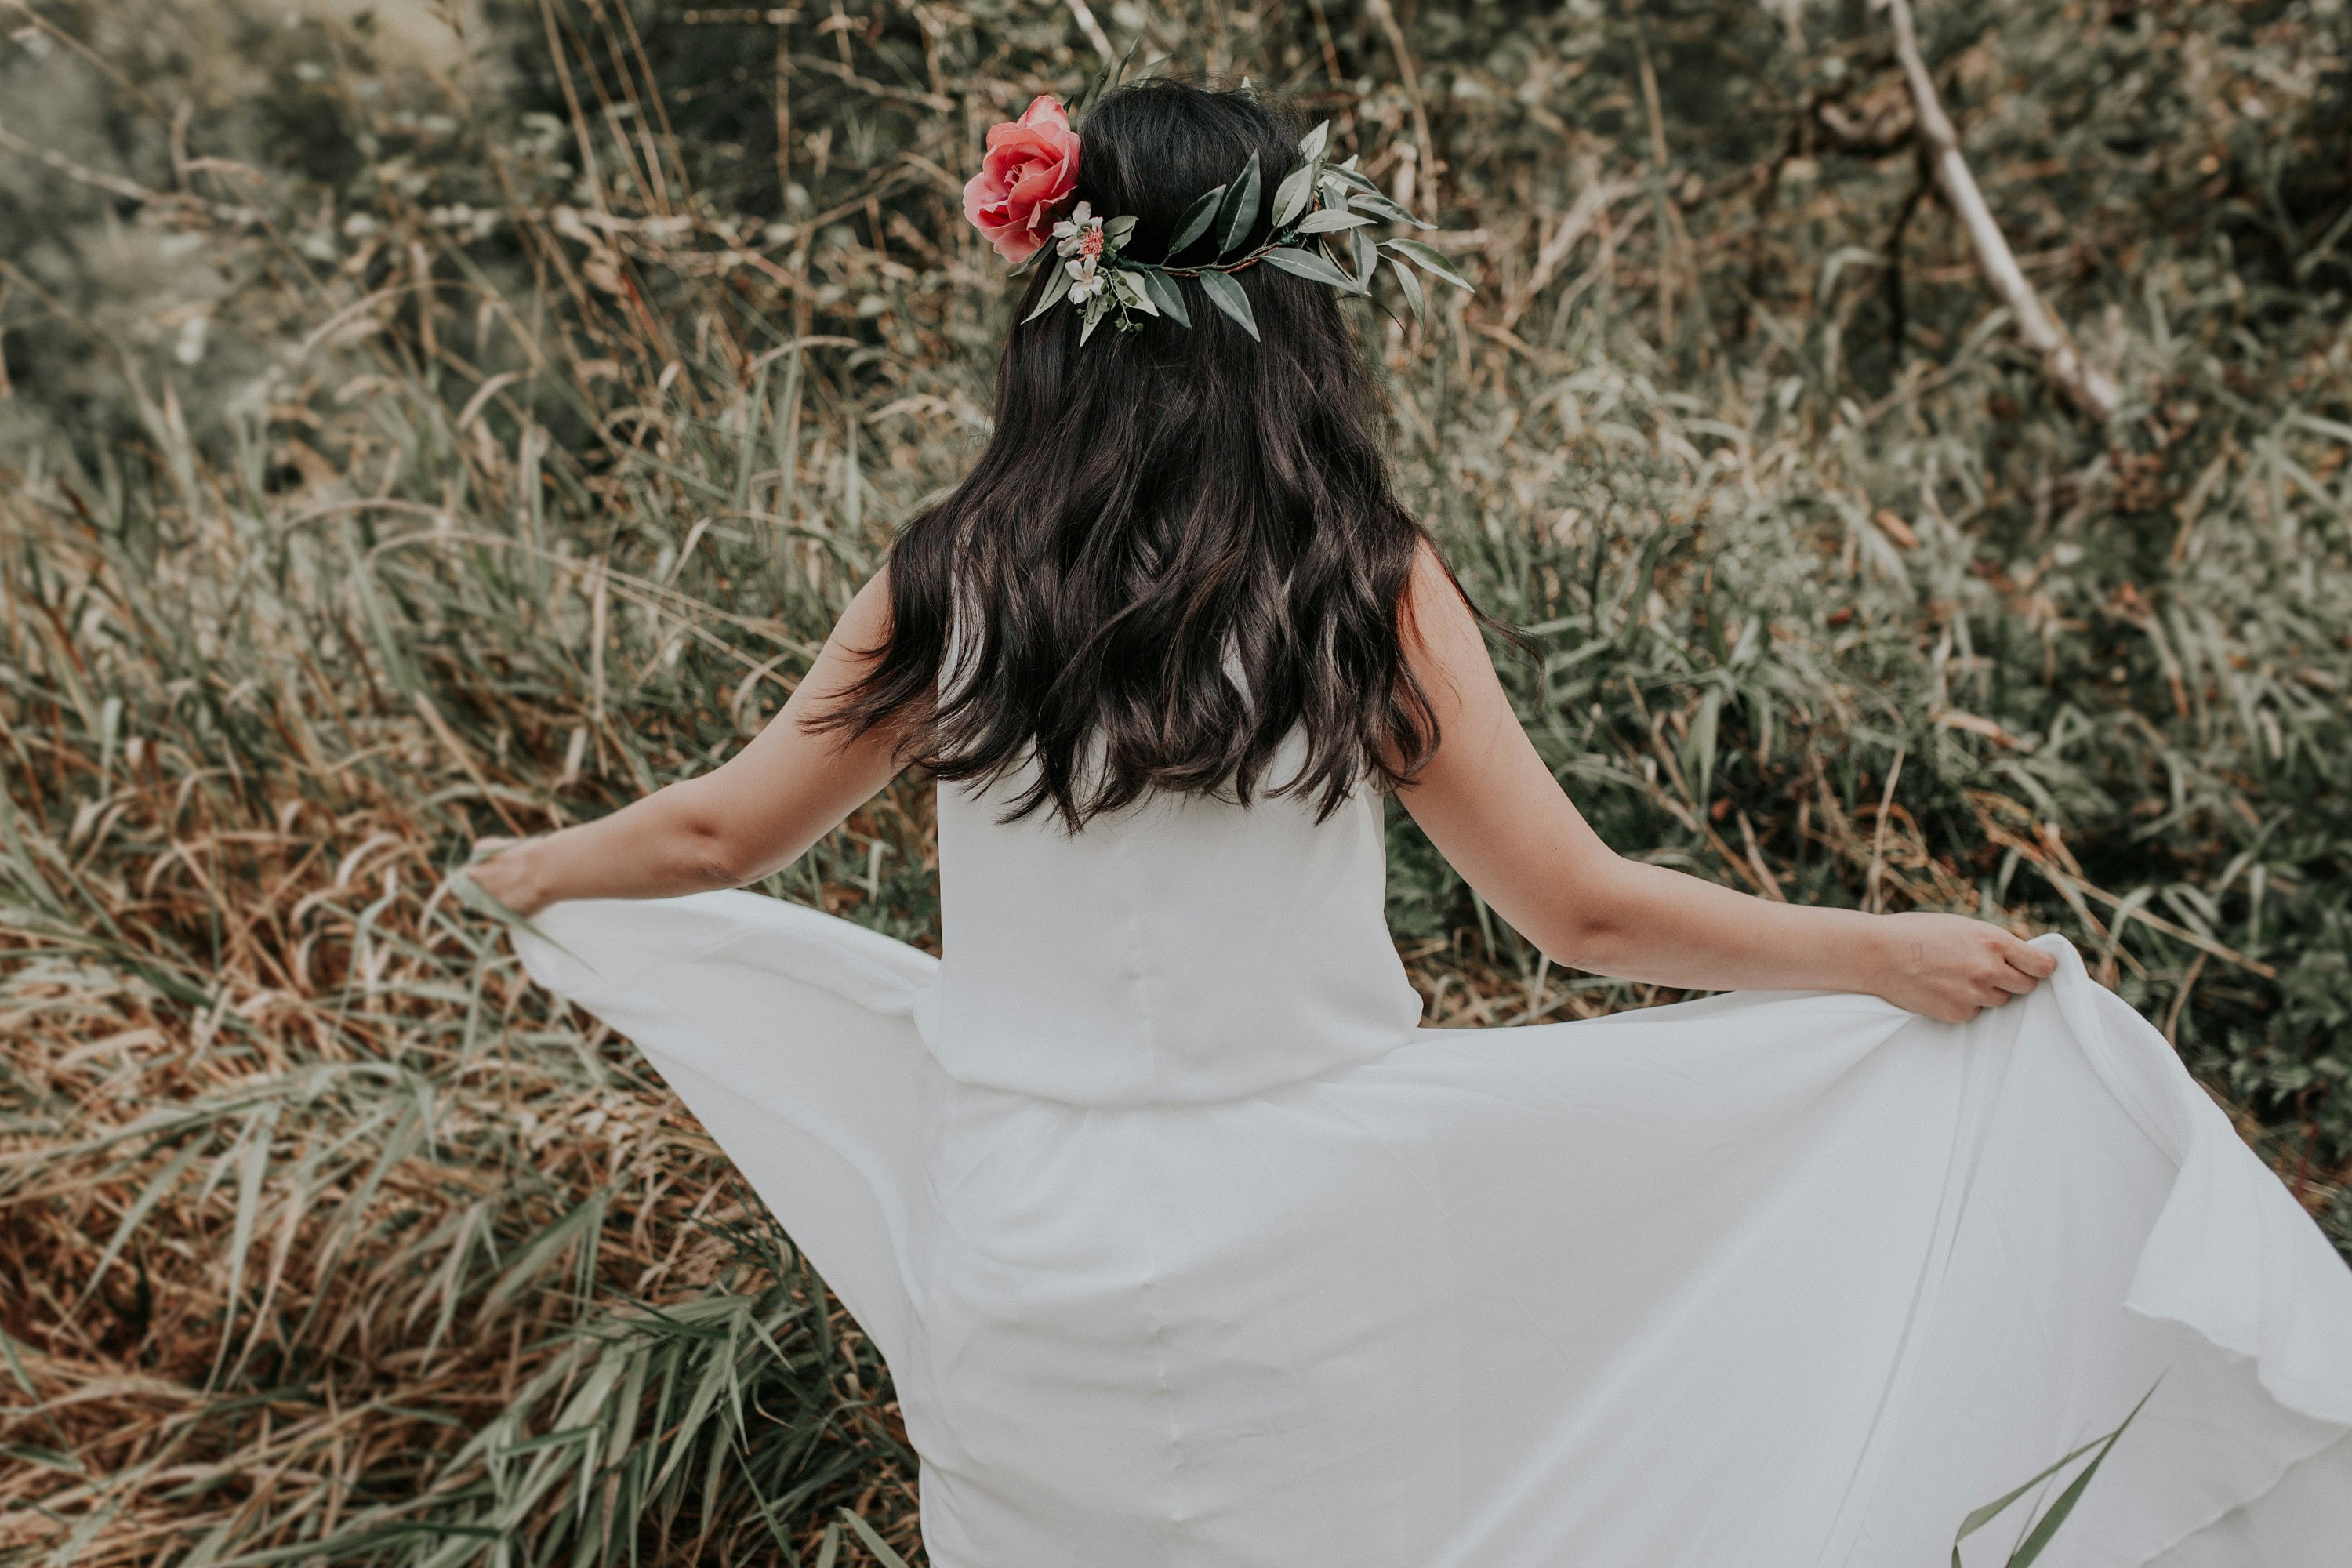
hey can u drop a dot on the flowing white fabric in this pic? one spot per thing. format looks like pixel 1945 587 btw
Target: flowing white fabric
pixel 1189 1249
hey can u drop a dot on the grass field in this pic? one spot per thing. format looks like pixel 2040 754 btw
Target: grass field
pixel 399 448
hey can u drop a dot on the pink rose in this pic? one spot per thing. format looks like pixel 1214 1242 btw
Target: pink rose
pixel 1030 171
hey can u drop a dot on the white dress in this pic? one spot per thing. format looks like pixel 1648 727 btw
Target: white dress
pixel 1189 1248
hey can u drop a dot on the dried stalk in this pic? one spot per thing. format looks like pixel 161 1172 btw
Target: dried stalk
pixel 1093 30
pixel 1424 145
pixel 2091 389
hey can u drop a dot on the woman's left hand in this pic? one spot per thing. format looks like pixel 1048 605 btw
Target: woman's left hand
pixel 504 868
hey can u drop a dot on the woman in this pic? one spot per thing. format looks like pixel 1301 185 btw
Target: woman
pixel 1185 1246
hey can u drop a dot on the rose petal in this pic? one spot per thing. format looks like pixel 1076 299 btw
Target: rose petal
pixel 1046 109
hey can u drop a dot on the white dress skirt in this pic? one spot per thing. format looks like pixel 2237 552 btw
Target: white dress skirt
pixel 1188 1248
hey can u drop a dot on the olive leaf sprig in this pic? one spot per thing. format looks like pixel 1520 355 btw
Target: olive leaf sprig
pixel 1320 212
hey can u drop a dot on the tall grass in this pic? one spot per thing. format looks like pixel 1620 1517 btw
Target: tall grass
pixel 537 417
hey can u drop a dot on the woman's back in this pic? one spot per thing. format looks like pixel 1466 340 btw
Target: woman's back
pixel 1183 949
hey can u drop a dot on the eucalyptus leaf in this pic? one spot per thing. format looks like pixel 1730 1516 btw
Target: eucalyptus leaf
pixel 1411 287
pixel 1226 295
pixel 1239 213
pixel 1056 287
pixel 1374 202
pixel 1367 252
pixel 1308 263
pixel 1168 297
pixel 1291 196
pixel 1311 145
pixel 1196 220
pixel 1431 262
pixel 1326 221
pixel 1129 288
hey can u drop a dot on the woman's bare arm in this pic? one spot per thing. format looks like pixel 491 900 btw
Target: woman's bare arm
pixel 1496 814
pixel 753 816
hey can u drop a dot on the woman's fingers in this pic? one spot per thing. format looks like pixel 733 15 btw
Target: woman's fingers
pixel 2038 962
pixel 2013 981
pixel 2021 968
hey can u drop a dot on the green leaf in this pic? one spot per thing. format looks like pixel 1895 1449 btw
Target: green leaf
pixel 1127 285
pixel 1306 264
pixel 1113 72
pixel 1328 221
pixel 1411 287
pixel 1239 213
pixel 1311 145
pixel 1055 287
pixel 873 1542
pixel 2047 1527
pixel 1431 262
pixel 585 1219
pixel 34 1454
pixel 1226 295
pixel 1168 297
pixel 1291 196
pixel 164 1180
pixel 1196 219
pixel 1367 253
pixel 259 1130
pixel 1373 202
pixel 1115 231
pixel 1704 732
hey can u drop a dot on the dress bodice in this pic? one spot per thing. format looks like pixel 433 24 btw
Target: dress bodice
pixel 1185 950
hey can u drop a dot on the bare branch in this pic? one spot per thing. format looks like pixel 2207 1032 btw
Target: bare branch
pixel 2092 390
pixel 1092 29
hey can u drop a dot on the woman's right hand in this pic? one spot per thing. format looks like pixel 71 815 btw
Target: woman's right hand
pixel 1951 967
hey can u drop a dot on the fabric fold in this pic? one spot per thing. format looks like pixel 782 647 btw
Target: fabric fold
pixel 1761 1280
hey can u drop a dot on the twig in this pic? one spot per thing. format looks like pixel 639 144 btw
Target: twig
pixel 938 102
pixel 1092 29
pixel 2181 998
pixel 1869 899
pixel 1591 204
pixel 457 749
pixel 1426 149
pixel 1766 883
pixel 2092 390
pixel 1899 323
pixel 2074 887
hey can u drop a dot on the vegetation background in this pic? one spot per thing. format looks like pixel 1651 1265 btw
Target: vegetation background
pixel 451 418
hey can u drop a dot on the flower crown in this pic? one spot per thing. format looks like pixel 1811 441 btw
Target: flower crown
pixel 1320 216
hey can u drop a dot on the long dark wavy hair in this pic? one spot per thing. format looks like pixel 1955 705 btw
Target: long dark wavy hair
pixel 1180 546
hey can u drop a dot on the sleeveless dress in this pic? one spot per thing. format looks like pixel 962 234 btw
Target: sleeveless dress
pixel 1189 1248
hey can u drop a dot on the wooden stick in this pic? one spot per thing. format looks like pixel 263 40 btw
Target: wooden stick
pixel 1093 30
pixel 2091 389
pixel 1424 148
